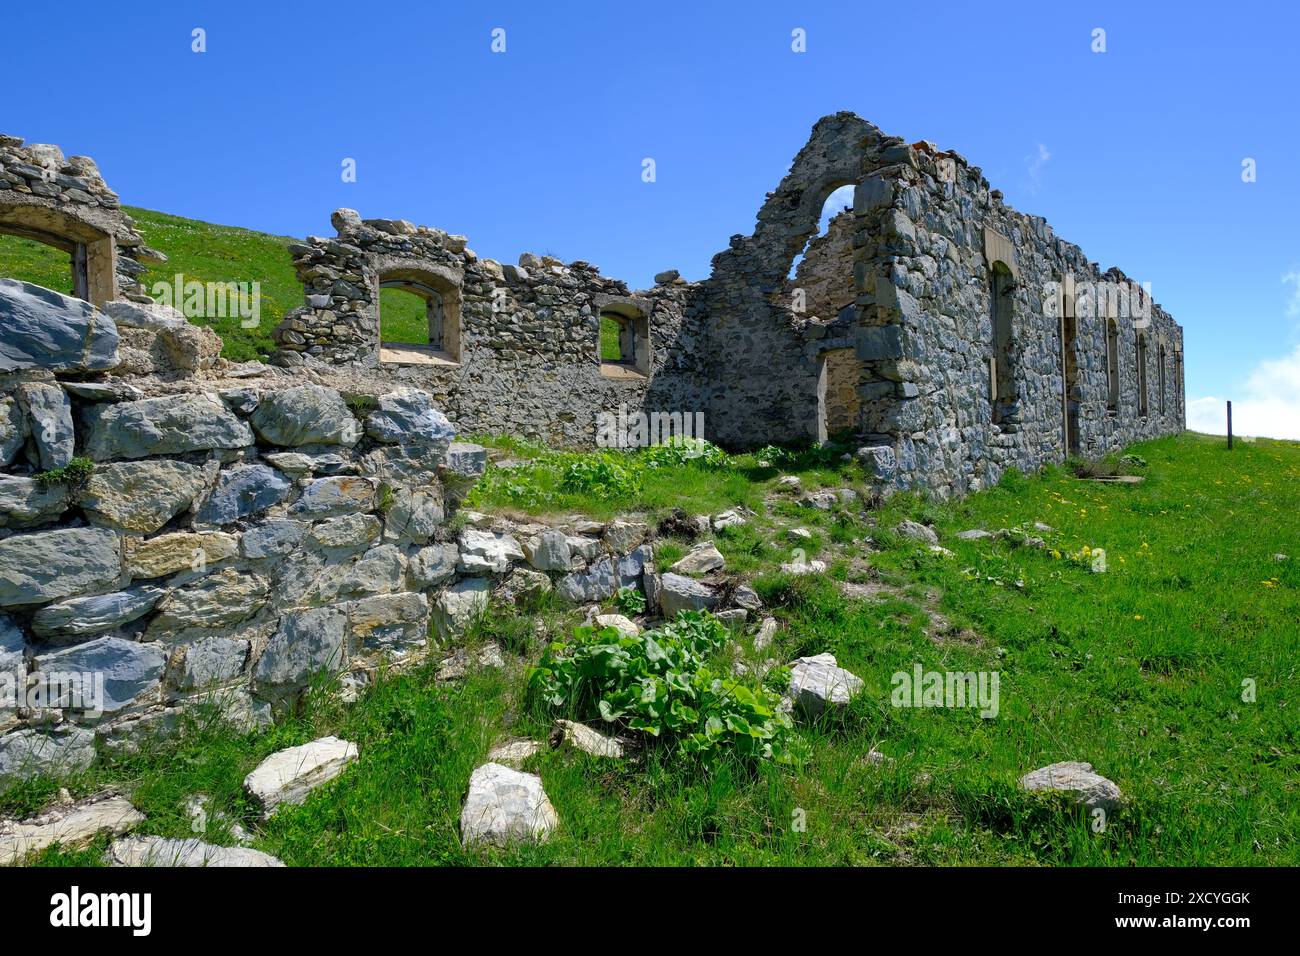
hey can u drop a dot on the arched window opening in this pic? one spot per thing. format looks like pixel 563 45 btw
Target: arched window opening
pixel 1002 373
pixel 1112 366
pixel 1142 374
pixel 419 319
pixel 624 342
pixel 820 285
pixel 838 202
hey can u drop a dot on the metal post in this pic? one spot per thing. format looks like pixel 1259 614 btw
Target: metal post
pixel 1229 426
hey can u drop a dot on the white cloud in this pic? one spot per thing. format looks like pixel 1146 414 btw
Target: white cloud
pixel 1034 164
pixel 1268 404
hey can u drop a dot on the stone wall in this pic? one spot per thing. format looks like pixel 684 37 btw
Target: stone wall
pixel 525 358
pixel 64 202
pixel 931 234
pixel 240 529
pixel 944 400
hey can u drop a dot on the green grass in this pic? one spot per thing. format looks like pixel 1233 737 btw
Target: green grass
pixel 610 350
pixel 1137 670
pixel 403 317
pixel 197 250
pixel 35 262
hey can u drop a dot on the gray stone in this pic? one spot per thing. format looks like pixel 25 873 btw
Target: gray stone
pixel 582 548
pixel 407 416
pixel 81 617
pixel 678 593
pixel 153 316
pixel 974 534
pixel 103 391
pixel 623 536
pixel 465 461
pixel 339 495
pixel 345 533
pixel 505 806
pixel 56 752
pixel 487 551
pixel 381 570
pixel 177 551
pixel 40 328
pixel 414 514
pixel 169 425
pixel 69 826
pixel 1078 782
pixel 305 415
pixel 128 669
pixel 458 606
pixel 13 429
pixel 393 623
pixel 549 551
pixel 213 660
pixel 242 491
pixel 49 419
pixel 433 565
pixel 307 642
pixel 819 684
pixel 512 753
pixel 155 851
pixel 623 625
pixel 596 583
pixel 273 538
pixel 220 600
pixel 25 502
pixel 917 532
pixel 48 565
pixel 140 496
pixel 701 559
pixel 568 733
pixel 288 777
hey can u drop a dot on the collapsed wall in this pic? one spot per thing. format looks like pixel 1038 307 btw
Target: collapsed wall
pixel 513 349
pixel 219 537
pixel 64 202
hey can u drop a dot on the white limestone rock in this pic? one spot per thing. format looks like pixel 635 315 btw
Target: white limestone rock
pixel 287 778
pixel 160 851
pixel 818 684
pixel 506 806
pixel 1077 781
pixel 70 826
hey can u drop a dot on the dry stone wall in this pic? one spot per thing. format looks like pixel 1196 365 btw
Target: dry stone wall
pixel 524 339
pixel 65 202
pixel 237 531
pixel 931 234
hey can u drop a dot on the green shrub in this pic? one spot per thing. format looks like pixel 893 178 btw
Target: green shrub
pixel 630 601
pixel 74 474
pixel 679 451
pixel 660 684
pixel 601 475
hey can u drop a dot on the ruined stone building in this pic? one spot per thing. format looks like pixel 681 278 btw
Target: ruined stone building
pixel 932 324
pixel 194 530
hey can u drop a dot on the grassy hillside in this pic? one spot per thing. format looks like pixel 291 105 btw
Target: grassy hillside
pixel 1140 670
pixel 212 253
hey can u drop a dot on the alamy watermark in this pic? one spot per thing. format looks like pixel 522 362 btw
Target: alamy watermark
pixel 81 691
pixel 951 689
pixel 624 429
pixel 1104 299
pixel 212 300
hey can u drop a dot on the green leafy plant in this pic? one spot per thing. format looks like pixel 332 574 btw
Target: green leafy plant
pixel 630 601
pixel 679 451
pixel 661 684
pixel 602 475
pixel 74 474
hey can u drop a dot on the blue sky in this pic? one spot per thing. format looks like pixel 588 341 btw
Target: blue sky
pixel 1135 153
